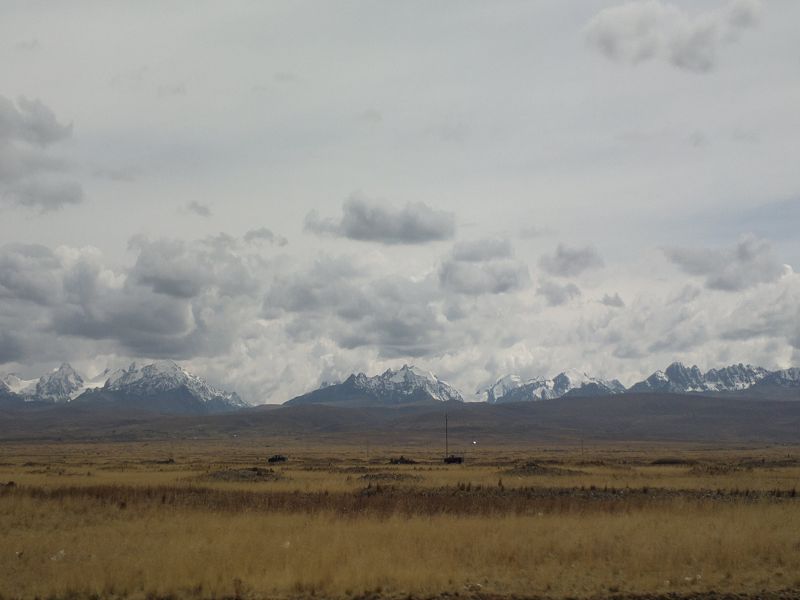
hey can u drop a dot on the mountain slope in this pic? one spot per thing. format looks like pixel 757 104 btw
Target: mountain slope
pixel 621 417
pixel 162 386
pixel 512 388
pixel 678 378
pixel 404 386
pixel 59 385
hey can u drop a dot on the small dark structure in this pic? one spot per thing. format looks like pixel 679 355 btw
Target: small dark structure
pixel 402 461
pixel 449 459
pixel 277 458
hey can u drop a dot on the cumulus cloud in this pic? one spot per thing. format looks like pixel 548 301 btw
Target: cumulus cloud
pixel 568 262
pixel 178 300
pixel 482 266
pixel 29 176
pixel 199 209
pixel 556 294
pixel 482 250
pixel 368 220
pixel 184 270
pixel 750 262
pixel 264 235
pixel 639 31
pixel 612 300
pixel 344 301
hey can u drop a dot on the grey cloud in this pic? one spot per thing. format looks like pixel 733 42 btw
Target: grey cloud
pixel 285 77
pixel 126 174
pixel 31 45
pixel 749 263
pixel 11 348
pixel 164 306
pixel 532 232
pixel 263 234
pixel 614 301
pixel 368 220
pixel 495 277
pixel 776 316
pixel 302 291
pixel 171 89
pixel 482 250
pixel 453 132
pixel 683 336
pixel 201 210
pixel 641 31
pixel 568 262
pixel 30 121
pixel 482 266
pixel 184 270
pixel 45 195
pixel 29 176
pixel 342 301
pixel 29 272
pixel 66 299
pixel 556 294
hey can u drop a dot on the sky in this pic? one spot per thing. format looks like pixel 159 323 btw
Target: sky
pixel 278 194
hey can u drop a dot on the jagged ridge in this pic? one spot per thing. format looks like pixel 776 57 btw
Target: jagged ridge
pixel 406 385
pixel 513 388
pixel 162 385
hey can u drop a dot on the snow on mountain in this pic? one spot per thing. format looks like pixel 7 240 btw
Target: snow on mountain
pixel 159 384
pixel 22 387
pixel 789 378
pixel 166 376
pixel 409 381
pixel 405 385
pixel 501 387
pixel 59 385
pixel 678 378
pixel 511 388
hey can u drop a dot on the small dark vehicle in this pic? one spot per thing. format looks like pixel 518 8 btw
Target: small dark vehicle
pixel 276 458
pixel 402 461
pixel 453 460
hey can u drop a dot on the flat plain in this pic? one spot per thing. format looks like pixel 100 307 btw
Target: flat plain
pixel 212 518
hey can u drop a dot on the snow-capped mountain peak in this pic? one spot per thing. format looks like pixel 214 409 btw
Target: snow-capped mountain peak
pixel 678 378
pixel 404 385
pixel 162 385
pixel 164 376
pixel 408 381
pixel 512 388
pixel 59 385
pixel 16 385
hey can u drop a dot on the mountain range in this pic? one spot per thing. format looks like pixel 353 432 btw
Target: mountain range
pixel 405 386
pixel 166 387
pixel 677 378
pixel 512 388
pixel 162 386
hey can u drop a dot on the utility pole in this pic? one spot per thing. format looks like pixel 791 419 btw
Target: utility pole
pixel 446 441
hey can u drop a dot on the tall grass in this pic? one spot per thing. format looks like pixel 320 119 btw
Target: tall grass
pixel 73 545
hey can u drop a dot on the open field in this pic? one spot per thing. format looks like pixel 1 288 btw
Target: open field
pixel 213 519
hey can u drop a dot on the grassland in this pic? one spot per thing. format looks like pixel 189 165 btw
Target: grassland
pixel 213 519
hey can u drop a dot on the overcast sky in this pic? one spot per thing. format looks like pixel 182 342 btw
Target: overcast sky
pixel 277 194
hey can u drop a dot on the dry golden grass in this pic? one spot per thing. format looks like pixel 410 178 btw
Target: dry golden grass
pixel 117 520
pixel 75 546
